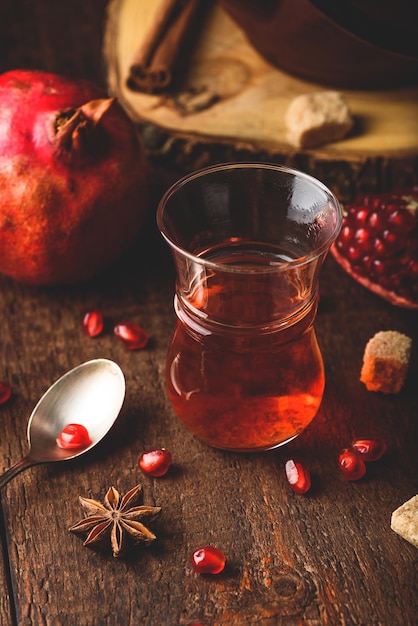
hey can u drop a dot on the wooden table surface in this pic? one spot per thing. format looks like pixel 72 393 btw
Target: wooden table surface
pixel 328 557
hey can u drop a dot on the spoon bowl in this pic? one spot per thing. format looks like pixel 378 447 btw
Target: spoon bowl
pixel 91 395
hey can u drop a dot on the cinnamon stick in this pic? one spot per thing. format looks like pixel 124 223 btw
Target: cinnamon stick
pixel 160 55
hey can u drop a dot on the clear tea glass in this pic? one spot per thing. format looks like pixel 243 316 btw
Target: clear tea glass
pixel 244 371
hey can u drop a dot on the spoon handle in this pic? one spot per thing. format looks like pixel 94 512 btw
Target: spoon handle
pixel 16 469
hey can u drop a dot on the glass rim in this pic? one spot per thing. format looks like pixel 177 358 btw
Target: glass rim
pixel 254 165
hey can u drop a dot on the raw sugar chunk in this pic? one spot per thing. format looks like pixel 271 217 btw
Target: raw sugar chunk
pixel 317 118
pixel 404 521
pixel 385 361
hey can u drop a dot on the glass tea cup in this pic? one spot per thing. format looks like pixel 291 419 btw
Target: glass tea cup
pixel 244 371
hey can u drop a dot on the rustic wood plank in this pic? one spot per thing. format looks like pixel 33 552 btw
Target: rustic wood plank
pixel 328 558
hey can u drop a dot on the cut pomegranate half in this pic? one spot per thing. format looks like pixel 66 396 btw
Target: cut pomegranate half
pixel 378 245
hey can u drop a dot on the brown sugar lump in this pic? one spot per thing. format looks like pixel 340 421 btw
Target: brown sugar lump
pixel 385 361
pixel 404 521
pixel 316 118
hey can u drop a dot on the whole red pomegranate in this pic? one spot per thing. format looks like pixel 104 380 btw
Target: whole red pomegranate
pixel 73 179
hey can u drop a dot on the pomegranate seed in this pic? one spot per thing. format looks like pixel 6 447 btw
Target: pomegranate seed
pixel 155 462
pixel 208 560
pixel 384 269
pixel 363 237
pixel 392 241
pixel 351 464
pixel 378 268
pixel 298 476
pixel 354 254
pixel 132 335
pixel 74 436
pixel 93 323
pixel 375 222
pixel 361 217
pixel 379 248
pixel 392 205
pixel 5 392
pixel 413 268
pixel 401 221
pixel 368 262
pixel 346 234
pixel 370 449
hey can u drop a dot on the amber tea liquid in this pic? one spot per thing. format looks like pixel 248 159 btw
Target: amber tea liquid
pixel 244 371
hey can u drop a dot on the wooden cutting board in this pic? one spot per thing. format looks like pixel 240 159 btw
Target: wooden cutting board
pixel 232 103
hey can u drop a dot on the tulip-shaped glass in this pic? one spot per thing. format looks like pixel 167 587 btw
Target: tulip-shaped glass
pixel 244 371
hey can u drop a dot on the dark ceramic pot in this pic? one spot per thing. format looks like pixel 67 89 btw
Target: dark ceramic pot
pixel 360 44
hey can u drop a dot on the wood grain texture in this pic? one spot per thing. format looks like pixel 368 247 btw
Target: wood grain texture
pixel 230 105
pixel 327 558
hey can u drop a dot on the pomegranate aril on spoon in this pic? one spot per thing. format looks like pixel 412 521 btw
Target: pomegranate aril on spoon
pixel 74 436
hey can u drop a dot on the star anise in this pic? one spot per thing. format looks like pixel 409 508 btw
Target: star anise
pixel 116 518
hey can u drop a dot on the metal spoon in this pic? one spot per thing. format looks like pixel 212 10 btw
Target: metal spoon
pixel 91 394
